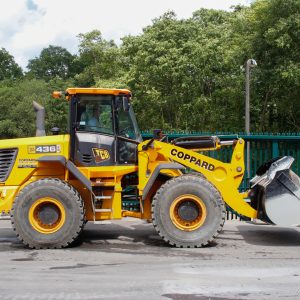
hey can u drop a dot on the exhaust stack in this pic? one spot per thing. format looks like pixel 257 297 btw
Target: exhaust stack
pixel 40 119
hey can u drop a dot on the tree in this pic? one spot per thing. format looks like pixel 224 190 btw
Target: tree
pixel 17 118
pixel 54 61
pixel 179 69
pixel 185 74
pixel 9 69
pixel 271 34
pixel 100 59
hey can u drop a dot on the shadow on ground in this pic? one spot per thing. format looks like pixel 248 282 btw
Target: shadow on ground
pixel 269 235
pixel 135 233
pixel 126 238
pixel 141 238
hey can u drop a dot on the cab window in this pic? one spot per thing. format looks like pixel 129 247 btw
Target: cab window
pixel 95 114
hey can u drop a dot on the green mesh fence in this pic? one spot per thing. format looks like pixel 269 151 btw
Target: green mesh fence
pixel 263 147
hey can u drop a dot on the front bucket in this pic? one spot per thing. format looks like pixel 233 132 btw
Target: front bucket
pixel 276 192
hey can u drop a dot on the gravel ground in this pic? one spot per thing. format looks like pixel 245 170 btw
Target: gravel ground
pixel 128 260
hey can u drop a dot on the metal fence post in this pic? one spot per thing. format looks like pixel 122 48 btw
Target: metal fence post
pixel 275 149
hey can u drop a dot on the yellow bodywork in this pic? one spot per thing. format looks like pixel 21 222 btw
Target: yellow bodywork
pixel 226 177
pixel 51 185
pixel 27 169
pixel 94 91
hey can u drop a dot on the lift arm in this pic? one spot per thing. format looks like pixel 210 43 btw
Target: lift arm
pixel 226 177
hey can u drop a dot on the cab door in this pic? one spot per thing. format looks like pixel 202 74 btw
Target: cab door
pixel 95 142
pixel 128 133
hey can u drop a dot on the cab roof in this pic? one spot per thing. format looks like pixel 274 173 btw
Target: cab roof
pixel 97 91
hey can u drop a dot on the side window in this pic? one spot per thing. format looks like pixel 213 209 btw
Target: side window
pixel 127 150
pixel 126 127
pixel 95 114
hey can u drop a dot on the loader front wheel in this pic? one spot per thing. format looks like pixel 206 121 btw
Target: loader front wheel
pixel 188 211
pixel 48 213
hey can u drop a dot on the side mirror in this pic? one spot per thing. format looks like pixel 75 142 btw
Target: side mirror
pixel 157 134
pixel 126 104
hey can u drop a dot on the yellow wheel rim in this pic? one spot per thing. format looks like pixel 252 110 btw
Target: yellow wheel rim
pixel 47 215
pixel 188 212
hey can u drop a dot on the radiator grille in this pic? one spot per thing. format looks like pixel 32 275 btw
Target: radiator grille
pixel 87 158
pixel 7 159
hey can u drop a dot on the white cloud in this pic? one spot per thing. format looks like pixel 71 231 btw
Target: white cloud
pixel 30 25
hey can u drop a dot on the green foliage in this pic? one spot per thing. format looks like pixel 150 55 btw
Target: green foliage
pixel 187 73
pixel 179 68
pixel 54 61
pixel 184 74
pixel 273 39
pixel 99 58
pixel 9 69
pixel 17 118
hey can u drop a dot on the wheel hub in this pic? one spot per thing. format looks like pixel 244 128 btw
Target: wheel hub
pixel 47 215
pixel 188 212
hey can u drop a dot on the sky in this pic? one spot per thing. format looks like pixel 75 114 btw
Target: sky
pixel 28 26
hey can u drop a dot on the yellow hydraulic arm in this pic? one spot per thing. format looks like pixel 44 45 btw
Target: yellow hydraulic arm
pixel 226 177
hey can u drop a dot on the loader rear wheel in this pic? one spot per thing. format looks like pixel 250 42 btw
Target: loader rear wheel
pixel 188 211
pixel 48 213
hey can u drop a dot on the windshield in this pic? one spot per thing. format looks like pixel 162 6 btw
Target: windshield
pixel 95 114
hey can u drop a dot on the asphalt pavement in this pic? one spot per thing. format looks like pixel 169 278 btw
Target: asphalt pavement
pixel 128 260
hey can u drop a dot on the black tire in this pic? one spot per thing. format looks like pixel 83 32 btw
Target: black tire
pixel 198 187
pixel 72 207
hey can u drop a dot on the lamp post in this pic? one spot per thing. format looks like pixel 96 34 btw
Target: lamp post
pixel 251 63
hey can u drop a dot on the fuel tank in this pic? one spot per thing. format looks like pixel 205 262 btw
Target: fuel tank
pixel 275 192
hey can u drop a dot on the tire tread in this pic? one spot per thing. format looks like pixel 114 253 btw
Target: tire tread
pixel 63 185
pixel 182 180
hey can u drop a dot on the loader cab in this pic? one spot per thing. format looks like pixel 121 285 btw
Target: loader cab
pixel 103 128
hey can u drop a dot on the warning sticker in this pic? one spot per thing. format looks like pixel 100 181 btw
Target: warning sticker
pixel 27 163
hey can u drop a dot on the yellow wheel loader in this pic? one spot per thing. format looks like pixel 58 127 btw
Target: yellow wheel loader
pixel 52 185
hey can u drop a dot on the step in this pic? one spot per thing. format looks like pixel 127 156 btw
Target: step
pixel 102 222
pixel 102 197
pixel 105 183
pixel 103 210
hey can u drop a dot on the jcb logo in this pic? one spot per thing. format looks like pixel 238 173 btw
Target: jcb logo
pixel 101 154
